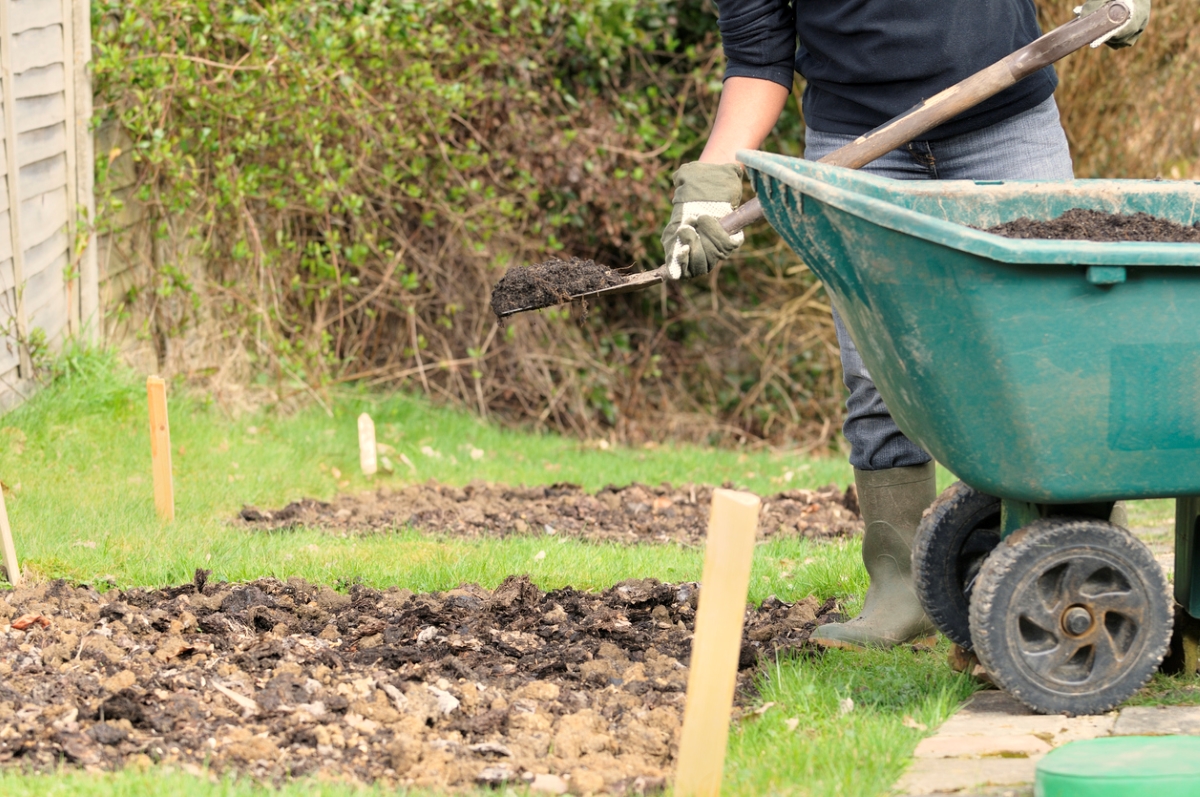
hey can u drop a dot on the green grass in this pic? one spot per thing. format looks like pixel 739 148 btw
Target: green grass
pixel 1168 690
pixel 1154 512
pixel 897 695
pixel 77 460
pixel 132 783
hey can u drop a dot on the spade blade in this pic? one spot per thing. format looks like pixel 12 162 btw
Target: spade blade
pixel 562 281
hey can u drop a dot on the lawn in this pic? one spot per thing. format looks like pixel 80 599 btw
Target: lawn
pixel 75 462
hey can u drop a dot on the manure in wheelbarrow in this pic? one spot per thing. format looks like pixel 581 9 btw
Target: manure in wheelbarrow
pixel 1079 224
pixel 549 283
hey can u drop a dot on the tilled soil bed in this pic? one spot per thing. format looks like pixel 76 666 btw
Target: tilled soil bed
pixel 637 513
pixel 562 690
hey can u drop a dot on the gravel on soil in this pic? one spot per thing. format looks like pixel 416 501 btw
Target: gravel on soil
pixel 634 514
pixel 561 690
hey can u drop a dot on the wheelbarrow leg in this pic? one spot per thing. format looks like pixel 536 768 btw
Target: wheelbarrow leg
pixel 1018 514
pixel 1184 656
pixel 1187 554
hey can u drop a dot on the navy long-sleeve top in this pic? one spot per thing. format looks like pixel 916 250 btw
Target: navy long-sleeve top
pixel 867 61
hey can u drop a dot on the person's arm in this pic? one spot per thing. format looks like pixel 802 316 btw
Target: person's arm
pixel 746 113
pixel 711 187
pixel 759 40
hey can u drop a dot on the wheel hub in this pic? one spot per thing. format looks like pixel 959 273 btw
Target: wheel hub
pixel 1077 620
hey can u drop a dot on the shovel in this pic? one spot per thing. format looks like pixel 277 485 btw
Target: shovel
pixel 921 118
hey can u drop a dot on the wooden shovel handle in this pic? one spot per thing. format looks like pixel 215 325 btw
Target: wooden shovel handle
pixel 942 107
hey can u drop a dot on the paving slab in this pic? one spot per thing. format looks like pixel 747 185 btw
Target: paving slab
pixel 991 747
pixel 1002 745
pixel 1158 721
pixel 993 701
pixel 995 713
pixel 929 776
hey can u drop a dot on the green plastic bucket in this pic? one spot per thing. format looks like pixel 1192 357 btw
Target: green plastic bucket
pixel 1122 766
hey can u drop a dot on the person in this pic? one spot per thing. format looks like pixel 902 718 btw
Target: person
pixel 865 62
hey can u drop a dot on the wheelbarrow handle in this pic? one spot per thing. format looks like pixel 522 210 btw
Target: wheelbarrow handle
pixel 944 106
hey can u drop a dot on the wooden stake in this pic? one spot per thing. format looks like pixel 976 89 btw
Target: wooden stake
pixel 160 448
pixel 10 551
pixel 367 456
pixel 732 527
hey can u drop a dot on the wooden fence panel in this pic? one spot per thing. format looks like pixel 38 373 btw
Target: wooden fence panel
pixel 10 357
pixel 46 174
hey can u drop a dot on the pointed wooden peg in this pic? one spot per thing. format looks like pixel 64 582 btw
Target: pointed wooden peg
pixel 160 448
pixel 367 454
pixel 717 643
pixel 11 568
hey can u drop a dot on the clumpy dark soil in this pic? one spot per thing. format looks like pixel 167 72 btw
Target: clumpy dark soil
pixel 633 514
pixel 1091 225
pixel 549 283
pixel 448 690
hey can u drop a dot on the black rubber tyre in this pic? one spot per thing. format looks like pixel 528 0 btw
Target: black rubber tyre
pixel 1071 615
pixel 956 535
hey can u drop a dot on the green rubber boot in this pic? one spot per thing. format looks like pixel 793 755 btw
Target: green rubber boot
pixel 892 502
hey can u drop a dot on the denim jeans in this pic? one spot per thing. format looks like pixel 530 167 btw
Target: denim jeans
pixel 1029 146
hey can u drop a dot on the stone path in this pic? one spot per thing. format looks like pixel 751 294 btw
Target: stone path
pixel 994 741
pixel 991 747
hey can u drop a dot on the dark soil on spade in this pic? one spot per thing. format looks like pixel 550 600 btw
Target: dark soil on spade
pixel 449 690
pixel 633 514
pixel 549 283
pixel 1091 225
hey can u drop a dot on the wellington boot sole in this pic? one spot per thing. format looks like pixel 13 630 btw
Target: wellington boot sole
pixel 928 641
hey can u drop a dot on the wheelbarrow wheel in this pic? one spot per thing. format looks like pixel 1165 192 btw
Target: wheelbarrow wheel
pixel 955 537
pixel 1071 615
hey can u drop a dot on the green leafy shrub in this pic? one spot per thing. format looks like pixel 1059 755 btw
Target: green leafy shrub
pixel 359 175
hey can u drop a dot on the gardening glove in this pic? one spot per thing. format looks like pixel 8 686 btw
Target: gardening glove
pixel 1127 34
pixel 693 240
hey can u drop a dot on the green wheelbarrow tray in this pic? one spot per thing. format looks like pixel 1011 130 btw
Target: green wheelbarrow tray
pixel 1047 372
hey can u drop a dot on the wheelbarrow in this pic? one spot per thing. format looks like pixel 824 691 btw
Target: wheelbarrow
pixel 1053 378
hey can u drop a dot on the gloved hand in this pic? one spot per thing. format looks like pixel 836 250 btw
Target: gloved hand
pixel 693 240
pixel 1127 34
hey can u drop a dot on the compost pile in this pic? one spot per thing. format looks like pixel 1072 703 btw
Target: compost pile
pixel 637 513
pixel 549 283
pixel 561 690
pixel 1079 224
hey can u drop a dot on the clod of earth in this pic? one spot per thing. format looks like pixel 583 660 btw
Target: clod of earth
pixel 445 690
pixel 1079 224
pixel 549 283
pixel 634 514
